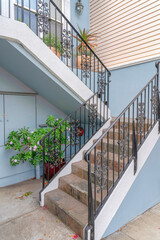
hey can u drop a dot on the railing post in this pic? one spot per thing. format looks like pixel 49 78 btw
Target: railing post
pixel 158 99
pixel 89 234
pixel 134 148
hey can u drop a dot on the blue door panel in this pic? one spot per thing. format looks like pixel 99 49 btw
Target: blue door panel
pixel 19 112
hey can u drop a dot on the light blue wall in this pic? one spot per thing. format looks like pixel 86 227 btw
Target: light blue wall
pixel 81 20
pixel 144 193
pixel 127 82
pixel 20 111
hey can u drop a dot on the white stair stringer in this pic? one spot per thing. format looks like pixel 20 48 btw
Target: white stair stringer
pixel 67 169
pixel 113 203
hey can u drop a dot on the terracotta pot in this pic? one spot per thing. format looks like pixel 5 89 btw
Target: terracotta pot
pixel 54 51
pixel 52 169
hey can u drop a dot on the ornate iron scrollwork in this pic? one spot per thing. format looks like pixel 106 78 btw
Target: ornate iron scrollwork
pixel 123 142
pixel 67 43
pixel 85 64
pixel 74 131
pixel 43 16
pixel 154 100
pixel 92 115
pixel 101 171
pixel 141 118
pixel 101 82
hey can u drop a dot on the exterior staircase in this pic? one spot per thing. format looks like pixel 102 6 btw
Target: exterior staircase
pixel 70 201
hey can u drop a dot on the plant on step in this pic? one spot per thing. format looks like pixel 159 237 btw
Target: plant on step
pixel 53 41
pixel 27 146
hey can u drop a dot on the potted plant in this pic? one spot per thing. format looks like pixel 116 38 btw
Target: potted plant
pixel 27 146
pixel 83 50
pixel 54 43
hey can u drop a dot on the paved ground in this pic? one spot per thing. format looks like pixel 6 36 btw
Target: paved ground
pixel 144 227
pixel 22 218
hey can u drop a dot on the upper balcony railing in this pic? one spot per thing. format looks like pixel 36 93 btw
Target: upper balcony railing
pixel 50 24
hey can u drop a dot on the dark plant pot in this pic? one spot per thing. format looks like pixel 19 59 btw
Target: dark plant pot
pixel 52 169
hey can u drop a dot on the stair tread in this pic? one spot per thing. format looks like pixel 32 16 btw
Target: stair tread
pixel 70 205
pixel 84 165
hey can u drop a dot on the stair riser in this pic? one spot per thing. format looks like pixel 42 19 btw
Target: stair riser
pixel 82 173
pixel 116 126
pixel 65 217
pixel 80 196
pixel 116 137
pixel 77 193
pixel 110 147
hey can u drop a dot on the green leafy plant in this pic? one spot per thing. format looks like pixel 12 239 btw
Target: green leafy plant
pixel 53 41
pixel 26 143
pixel 89 38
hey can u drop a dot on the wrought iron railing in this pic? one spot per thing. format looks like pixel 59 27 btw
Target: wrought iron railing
pixel 50 24
pixel 64 141
pixel 112 153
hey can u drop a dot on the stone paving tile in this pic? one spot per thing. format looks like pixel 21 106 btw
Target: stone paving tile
pixel 118 236
pixel 144 227
pixel 24 219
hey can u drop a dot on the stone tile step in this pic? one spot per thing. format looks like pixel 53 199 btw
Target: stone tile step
pixel 103 145
pixel 112 163
pixel 116 134
pixel 78 188
pixel 70 211
pixel 80 169
pixel 147 124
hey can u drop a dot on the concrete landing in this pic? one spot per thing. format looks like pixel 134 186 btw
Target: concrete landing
pixel 144 227
pixel 22 218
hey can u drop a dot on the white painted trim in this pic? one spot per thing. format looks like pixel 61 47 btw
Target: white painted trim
pixel 67 170
pixel 66 9
pixel 118 195
pixel 20 33
pixel 155 58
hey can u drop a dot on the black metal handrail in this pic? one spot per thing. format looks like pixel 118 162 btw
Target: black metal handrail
pixel 64 141
pixel 115 149
pixel 51 25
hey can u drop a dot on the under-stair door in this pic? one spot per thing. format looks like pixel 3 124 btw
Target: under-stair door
pixel 20 111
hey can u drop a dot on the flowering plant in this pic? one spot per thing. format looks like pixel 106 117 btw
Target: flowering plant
pixel 27 142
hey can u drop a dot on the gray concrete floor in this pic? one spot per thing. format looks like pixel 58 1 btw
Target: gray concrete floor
pixel 22 218
pixel 144 227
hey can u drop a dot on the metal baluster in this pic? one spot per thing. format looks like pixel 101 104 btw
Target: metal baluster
pixel 77 55
pixel 128 132
pixel 94 81
pixel 123 140
pixel 71 137
pixel 148 108
pixel 72 46
pixel 75 134
pixel 66 128
pixel 84 122
pixel 151 101
pixel 107 162
pixel 119 147
pixel 17 9
pixel 101 149
pixel 80 126
pixel 95 180
pixel 113 151
pixel 144 113
pixel 61 40
pixel 90 70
